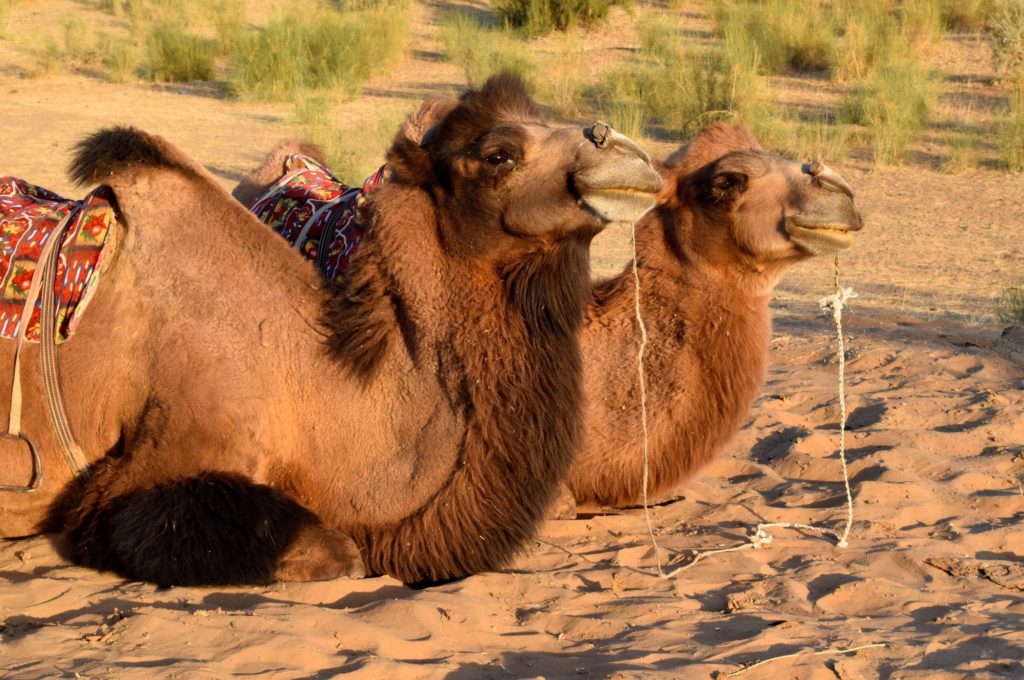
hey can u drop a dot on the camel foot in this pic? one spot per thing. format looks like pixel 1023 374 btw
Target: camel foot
pixel 564 504
pixel 320 554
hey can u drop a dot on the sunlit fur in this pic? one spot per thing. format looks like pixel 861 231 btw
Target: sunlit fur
pixel 708 258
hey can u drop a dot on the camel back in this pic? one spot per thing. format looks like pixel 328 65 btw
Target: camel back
pixel 29 215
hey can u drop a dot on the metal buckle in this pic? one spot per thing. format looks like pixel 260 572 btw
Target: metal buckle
pixel 37 465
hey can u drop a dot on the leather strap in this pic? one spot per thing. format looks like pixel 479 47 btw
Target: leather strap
pixel 48 367
pixel 44 279
pixel 14 420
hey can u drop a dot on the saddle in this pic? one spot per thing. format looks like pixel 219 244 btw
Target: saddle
pixel 29 215
pixel 316 213
pixel 51 252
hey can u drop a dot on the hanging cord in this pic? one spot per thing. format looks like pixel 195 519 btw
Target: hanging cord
pixel 759 536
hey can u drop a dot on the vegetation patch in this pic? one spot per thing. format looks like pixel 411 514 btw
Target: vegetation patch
pixel 1010 305
pixel 323 49
pixel 481 51
pixel 175 55
pixel 537 17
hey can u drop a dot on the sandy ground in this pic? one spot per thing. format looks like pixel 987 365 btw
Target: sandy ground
pixel 935 566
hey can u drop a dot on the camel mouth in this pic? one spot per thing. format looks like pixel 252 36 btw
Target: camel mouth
pixel 624 194
pixel 619 204
pixel 820 238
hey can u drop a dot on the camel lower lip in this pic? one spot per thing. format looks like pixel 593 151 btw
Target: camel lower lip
pixel 618 204
pixel 820 239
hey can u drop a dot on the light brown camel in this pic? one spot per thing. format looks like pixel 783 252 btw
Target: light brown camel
pixel 245 423
pixel 731 219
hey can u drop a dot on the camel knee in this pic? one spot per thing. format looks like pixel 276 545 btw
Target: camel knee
pixel 320 554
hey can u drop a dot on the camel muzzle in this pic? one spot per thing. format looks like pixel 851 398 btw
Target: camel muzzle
pixel 615 178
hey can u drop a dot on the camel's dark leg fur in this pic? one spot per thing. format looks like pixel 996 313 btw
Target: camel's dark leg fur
pixel 211 529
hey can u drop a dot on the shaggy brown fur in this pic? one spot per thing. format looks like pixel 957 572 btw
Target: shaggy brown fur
pixel 432 429
pixel 708 259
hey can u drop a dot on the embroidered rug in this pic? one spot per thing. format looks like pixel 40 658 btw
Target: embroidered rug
pixel 28 217
pixel 316 213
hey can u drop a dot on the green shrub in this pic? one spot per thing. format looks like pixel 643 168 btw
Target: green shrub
pixel 352 155
pixel 965 16
pixel 679 90
pixel 537 17
pixel 893 103
pixel 1010 130
pixel 173 55
pixel 782 35
pixel 482 52
pixel 1009 306
pixel 1007 35
pixel 121 59
pixel 563 86
pixel 318 50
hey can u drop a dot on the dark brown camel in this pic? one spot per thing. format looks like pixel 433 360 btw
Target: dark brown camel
pixel 243 423
pixel 732 218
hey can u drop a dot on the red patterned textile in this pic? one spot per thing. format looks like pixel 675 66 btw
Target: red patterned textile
pixel 28 216
pixel 309 207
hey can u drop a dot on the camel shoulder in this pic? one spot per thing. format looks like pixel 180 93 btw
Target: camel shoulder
pixel 125 150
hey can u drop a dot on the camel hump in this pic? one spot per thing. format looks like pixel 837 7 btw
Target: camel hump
pixel 273 167
pixel 118 150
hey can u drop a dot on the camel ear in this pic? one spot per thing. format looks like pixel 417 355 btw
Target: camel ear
pixel 726 186
pixel 409 161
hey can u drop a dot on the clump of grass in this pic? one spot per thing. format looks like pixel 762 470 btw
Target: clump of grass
pixel 782 35
pixel 965 16
pixel 1009 307
pixel 323 49
pixel 962 155
pixel 875 32
pixel 818 137
pixel 1007 35
pixel 121 59
pixel 537 17
pixel 175 55
pixel 893 103
pixel 562 88
pixel 678 90
pixel 352 155
pixel 481 52
pixel 5 15
pixel 1010 130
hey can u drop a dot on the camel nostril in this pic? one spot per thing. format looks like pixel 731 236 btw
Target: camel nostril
pixel 599 134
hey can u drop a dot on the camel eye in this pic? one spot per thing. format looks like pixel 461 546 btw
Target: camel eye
pixel 499 158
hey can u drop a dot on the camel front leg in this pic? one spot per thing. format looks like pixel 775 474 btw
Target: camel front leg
pixel 320 554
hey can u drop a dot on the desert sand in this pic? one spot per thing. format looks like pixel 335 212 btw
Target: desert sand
pixel 932 580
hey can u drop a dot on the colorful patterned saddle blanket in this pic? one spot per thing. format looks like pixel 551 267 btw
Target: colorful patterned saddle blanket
pixel 316 213
pixel 29 215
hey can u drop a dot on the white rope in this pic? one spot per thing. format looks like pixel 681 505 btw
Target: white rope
pixel 803 653
pixel 643 398
pixel 760 536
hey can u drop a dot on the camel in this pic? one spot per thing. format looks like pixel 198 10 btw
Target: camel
pixel 244 422
pixel 731 219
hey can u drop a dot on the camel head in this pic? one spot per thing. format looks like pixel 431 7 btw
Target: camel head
pixel 497 171
pixel 754 208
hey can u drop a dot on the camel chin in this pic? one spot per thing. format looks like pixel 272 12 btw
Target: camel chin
pixel 819 239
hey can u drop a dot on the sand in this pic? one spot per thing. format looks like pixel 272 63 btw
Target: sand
pixel 934 570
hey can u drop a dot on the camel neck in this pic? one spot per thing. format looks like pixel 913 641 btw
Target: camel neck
pixel 505 364
pixel 704 362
